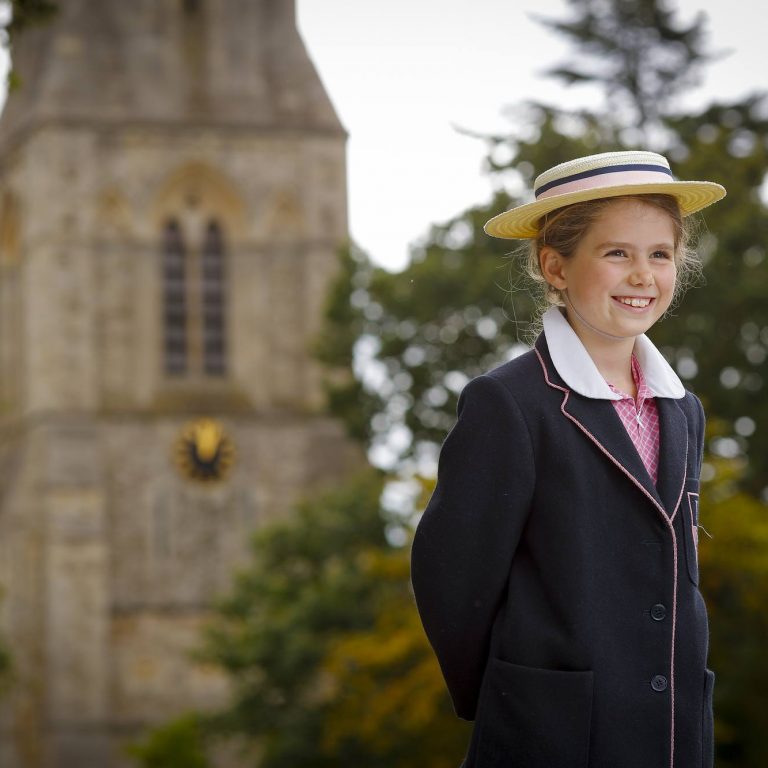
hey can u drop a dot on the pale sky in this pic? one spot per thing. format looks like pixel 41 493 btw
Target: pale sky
pixel 403 73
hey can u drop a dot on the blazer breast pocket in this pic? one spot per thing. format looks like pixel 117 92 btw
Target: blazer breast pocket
pixel 690 510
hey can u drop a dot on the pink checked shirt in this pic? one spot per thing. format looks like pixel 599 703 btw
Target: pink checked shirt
pixel 653 377
pixel 640 417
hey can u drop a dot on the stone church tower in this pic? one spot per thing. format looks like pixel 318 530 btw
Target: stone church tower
pixel 172 198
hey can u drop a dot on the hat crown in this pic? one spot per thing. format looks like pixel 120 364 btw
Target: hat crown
pixel 595 163
pixel 595 177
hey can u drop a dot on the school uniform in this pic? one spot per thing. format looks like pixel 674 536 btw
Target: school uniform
pixel 557 583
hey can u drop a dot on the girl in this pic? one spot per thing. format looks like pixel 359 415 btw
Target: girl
pixel 555 567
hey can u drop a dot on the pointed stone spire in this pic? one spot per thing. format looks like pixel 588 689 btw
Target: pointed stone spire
pixel 238 63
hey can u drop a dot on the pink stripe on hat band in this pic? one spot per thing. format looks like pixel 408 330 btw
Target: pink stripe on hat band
pixel 607 180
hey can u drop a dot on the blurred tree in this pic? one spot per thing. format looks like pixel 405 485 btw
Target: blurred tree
pixel 317 581
pixel 323 645
pixel 345 319
pixel 734 578
pixel 327 658
pixel 389 704
pixel 639 54
pixel 642 57
pixel 719 341
pixel 427 329
pixel 449 314
pixel 417 336
pixel 179 744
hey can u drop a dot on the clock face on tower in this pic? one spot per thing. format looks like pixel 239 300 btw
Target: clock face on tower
pixel 203 451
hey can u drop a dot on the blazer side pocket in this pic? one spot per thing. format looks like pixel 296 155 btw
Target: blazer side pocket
pixel 690 507
pixel 537 718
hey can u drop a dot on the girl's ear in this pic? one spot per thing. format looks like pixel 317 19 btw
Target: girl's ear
pixel 552 267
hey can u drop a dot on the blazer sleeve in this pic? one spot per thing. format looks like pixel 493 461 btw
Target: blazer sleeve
pixel 467 536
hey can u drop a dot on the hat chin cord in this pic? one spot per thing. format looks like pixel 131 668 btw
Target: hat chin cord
pixel 589 325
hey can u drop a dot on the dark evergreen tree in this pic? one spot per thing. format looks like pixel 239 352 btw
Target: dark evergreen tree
pixel 422 323
pixel 637 52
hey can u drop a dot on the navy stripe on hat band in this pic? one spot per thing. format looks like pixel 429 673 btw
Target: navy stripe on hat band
pixel 599 171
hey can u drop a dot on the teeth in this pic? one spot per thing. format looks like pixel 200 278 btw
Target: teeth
pixel 634 302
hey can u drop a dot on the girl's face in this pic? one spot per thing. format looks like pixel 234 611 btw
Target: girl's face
pixel 621 278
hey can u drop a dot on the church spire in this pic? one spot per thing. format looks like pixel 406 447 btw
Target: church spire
pixel 238 63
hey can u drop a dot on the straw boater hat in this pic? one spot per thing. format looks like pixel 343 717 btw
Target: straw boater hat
pixel 609 174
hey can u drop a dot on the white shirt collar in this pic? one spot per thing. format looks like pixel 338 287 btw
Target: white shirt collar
pixel 579 372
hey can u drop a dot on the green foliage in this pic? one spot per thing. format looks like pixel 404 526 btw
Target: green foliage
pixel 325 650
pixel 428 327
pixel 309 583
pixel 455 311
pixel 323 642
pixel 448 315
pixel 639 54
pixel 178 744
pixel 723 327
pixel 389 706
pixel 734 580
pixel 345 325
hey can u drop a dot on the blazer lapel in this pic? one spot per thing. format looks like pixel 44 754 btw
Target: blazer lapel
pixel 599 422
pixel 673 453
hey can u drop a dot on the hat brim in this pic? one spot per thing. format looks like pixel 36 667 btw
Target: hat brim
pixel 523 222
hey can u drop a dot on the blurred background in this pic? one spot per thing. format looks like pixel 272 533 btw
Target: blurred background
pixel 243 280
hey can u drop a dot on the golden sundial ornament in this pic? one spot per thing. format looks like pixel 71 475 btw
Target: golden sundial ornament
pixel 203 451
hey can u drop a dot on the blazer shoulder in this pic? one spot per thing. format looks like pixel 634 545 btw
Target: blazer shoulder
pixel 692 407
pixel 519 374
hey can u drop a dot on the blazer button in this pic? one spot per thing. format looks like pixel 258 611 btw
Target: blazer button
pixel 659 683
pixel 658 612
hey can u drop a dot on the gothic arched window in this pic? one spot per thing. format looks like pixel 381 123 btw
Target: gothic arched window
pixel 213 300
pixel 174 300
pixel 194 297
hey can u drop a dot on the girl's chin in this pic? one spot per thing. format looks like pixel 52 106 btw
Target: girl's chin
pixel 626 324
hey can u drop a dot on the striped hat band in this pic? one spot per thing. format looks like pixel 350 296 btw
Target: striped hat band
pixel 630 173
pixel 606 175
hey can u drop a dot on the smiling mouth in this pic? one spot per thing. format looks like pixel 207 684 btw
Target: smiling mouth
pixel 634 301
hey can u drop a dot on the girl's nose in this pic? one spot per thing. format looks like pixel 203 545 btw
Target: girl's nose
pixel 642 275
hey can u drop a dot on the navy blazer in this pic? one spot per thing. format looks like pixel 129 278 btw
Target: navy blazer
pixel 558 585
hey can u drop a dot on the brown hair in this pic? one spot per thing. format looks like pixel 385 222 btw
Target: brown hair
pixel 565 227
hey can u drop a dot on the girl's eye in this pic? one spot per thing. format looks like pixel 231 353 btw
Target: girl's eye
pixel 662 255
pixel 617 252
